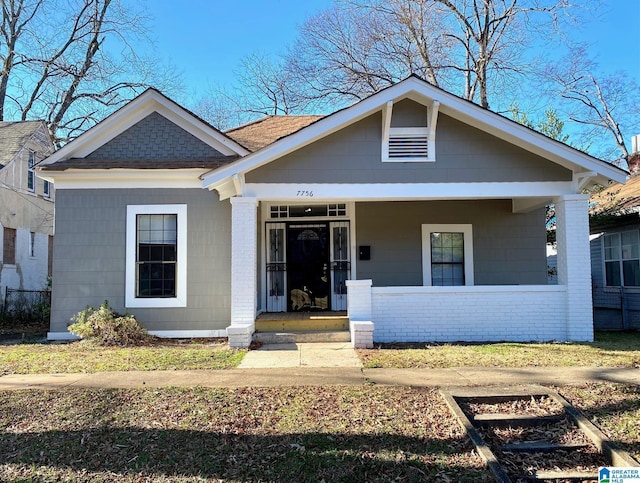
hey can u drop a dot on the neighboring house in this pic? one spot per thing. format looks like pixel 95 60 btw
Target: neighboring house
pixel 420 213
pixel 615 253
pixel 26 207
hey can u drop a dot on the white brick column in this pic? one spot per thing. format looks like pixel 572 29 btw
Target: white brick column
pixel 359 310
pixel 244 259
pixel 574 265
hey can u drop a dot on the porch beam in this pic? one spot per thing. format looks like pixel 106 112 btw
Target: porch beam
pixel 527 205
pixel 307 192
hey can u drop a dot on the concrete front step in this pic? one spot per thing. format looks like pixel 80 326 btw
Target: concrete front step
pixel 302 336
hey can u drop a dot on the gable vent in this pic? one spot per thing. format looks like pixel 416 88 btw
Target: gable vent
pixel 408 142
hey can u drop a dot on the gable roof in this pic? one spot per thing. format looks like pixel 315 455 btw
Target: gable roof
pixel 421 91
pixel 256 135
pixel 14 136
pixel 128 115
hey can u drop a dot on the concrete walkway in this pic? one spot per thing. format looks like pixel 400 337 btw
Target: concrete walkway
pixel 316 354
pixel 326 376
pixel 322 364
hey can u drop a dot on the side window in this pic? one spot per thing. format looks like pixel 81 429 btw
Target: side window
pixel 447 255
pixel 156 261
pixel 31 172
pixel 622 259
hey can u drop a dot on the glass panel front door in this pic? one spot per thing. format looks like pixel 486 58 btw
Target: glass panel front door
pixel 276 267
pixel 308 267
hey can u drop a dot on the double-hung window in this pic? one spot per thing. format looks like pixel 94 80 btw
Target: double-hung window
pixel 447 255
pixel 622 259
pixel 156 256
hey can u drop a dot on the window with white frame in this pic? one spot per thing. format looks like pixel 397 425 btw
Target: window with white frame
pixel 447 254
pixel 622 259
pixel 156 260
pixel 46 191
pixel 31 172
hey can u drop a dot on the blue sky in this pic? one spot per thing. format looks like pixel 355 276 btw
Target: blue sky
pixel 207 39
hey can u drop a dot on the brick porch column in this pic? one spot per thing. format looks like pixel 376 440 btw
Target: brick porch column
pixel 244 259
pixel 574 266
pixel 359 310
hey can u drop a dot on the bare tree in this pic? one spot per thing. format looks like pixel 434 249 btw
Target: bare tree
pixel 469 47
pixel 605 105
pixel 72 62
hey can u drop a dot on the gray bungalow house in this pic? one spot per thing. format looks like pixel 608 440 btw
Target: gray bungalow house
pixel 419 213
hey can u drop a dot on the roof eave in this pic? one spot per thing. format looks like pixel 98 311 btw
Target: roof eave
pixel 451 105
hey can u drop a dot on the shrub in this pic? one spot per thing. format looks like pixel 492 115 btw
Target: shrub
pixel 106 327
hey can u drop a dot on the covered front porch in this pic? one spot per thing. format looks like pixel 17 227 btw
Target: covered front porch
pixel 389 284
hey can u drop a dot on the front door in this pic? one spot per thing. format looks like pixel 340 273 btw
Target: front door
pixel 308 249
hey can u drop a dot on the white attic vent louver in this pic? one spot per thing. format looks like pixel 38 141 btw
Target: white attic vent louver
pixel 408 142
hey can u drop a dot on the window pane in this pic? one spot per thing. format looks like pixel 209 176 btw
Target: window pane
pixel 631 270
pixel 629 245
pixel 612 274
pixel 340 240
pixel 458 274
pixel 157 252
pixel 447 258
pixel 612 247
pixel 276 236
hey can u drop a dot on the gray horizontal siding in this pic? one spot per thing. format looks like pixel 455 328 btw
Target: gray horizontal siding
pixel 508 248
pixel 463 154
pixel 89 256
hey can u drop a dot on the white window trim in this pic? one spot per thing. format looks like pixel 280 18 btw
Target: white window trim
pixel 180 300
pixel 467 232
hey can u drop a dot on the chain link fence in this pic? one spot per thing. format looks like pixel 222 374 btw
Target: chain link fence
pixel 26 306
pixel 616 308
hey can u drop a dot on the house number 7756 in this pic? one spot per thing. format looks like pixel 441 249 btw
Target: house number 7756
pixel 305 193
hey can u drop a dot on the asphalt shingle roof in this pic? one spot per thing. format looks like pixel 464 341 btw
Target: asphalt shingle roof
pixel 14 136
pixel 94 163
pixel 258 134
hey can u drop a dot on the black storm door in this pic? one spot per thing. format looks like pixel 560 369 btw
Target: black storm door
pixel 308 267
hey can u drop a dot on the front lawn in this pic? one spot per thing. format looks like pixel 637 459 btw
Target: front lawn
pixel 335 433
pixel 610 349
pixel 47 358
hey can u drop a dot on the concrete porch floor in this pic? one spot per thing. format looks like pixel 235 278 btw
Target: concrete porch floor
pixel 302 354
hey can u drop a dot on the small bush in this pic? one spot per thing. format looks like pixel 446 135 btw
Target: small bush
pixel 106 327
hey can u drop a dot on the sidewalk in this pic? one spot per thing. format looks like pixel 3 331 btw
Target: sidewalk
pixel 321 376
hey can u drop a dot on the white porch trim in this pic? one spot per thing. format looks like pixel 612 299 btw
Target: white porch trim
pixel 314 192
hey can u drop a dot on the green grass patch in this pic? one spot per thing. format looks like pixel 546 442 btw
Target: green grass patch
pixel 610 349
pixel 45 358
